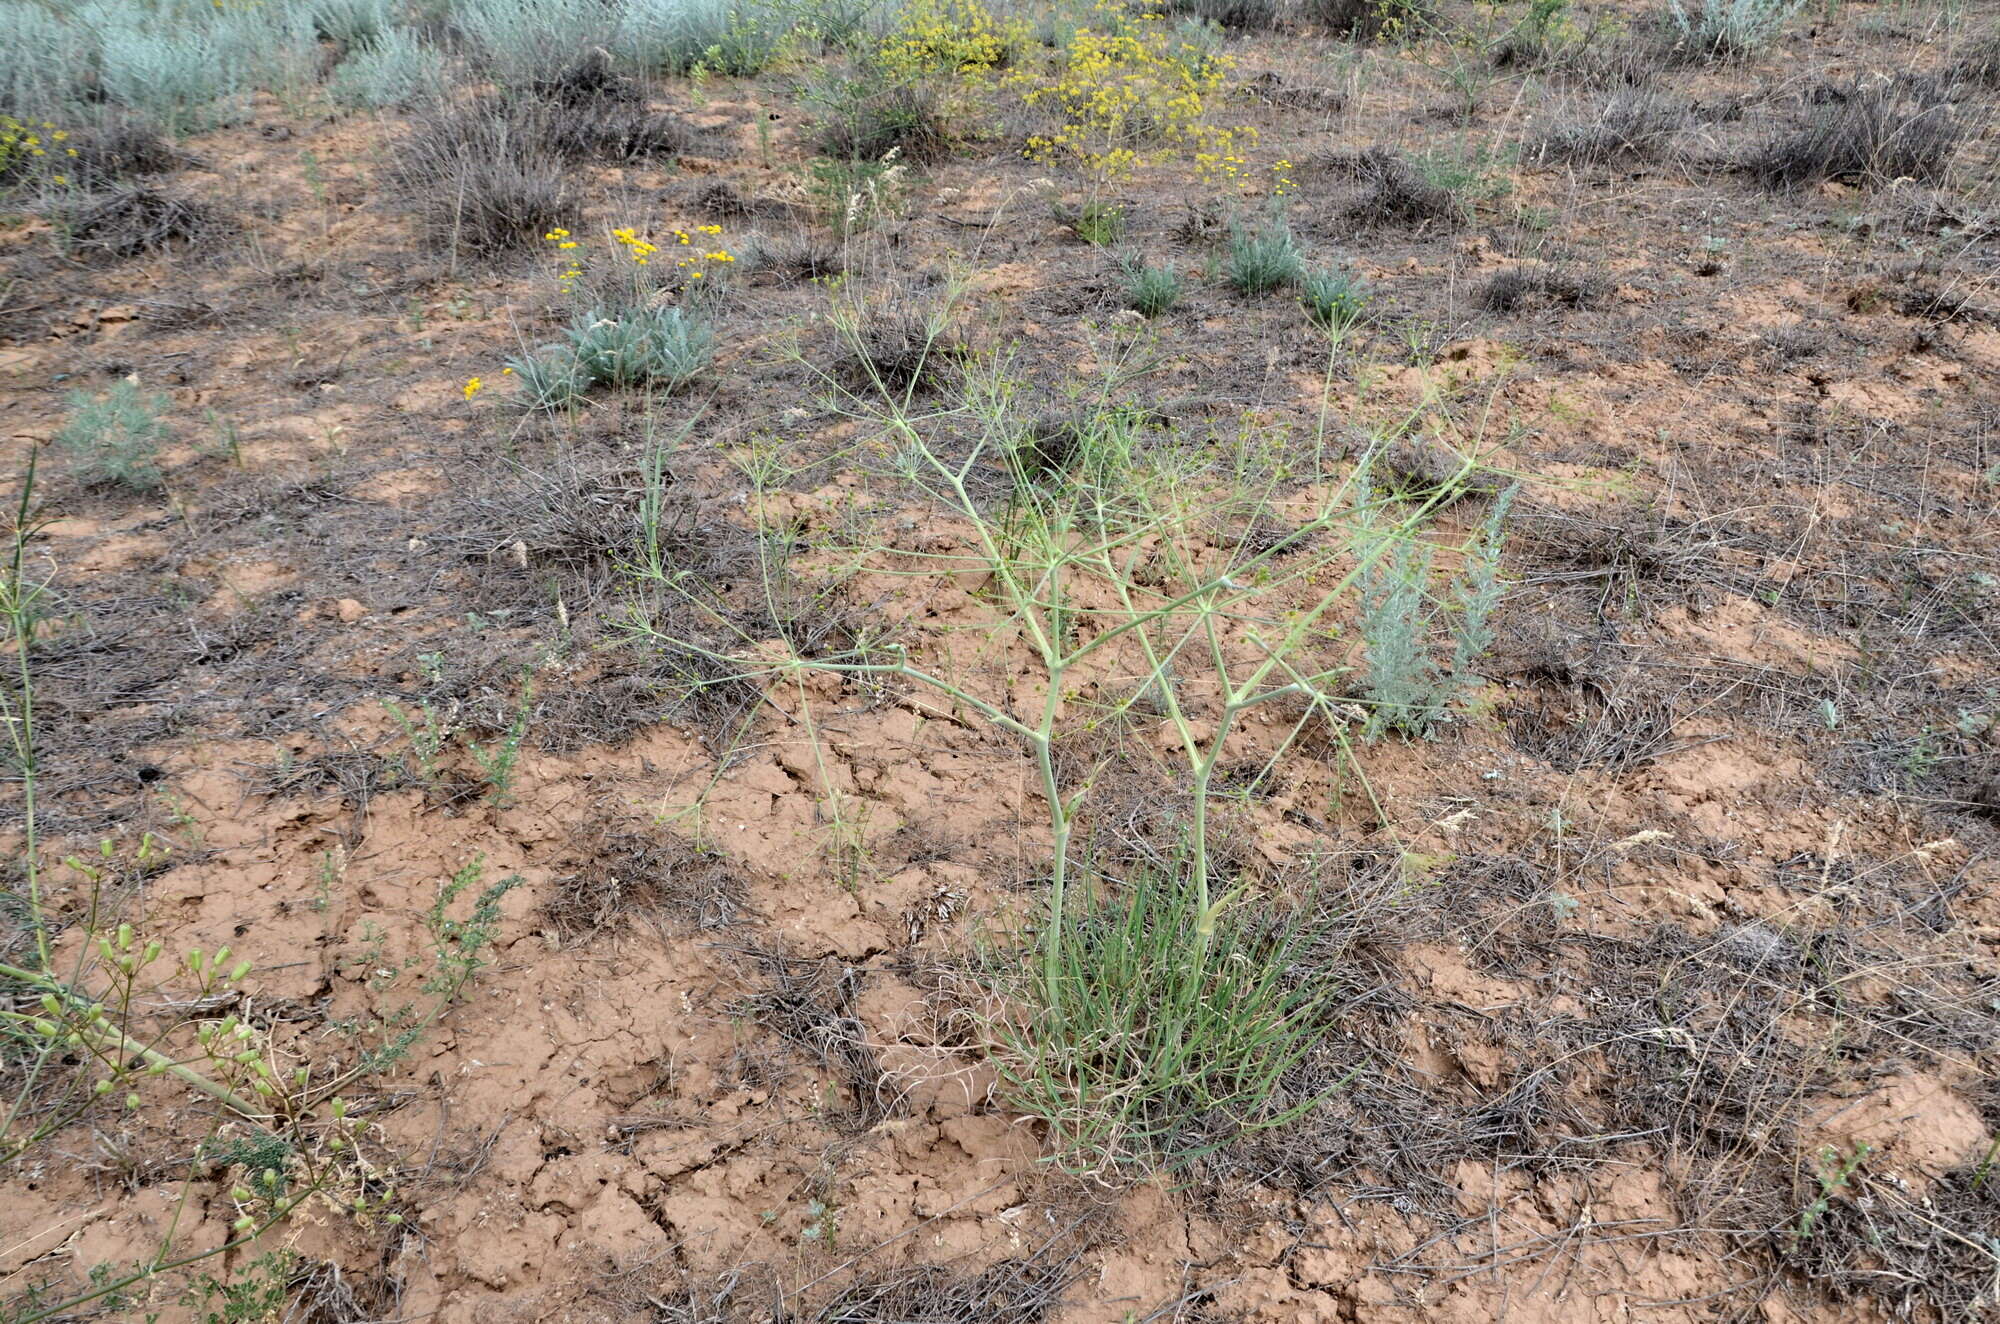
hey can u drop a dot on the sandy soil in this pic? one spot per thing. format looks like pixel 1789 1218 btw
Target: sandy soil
pixel 1697 903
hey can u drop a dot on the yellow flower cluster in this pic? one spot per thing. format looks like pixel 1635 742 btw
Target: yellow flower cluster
pixel 948 37
pixel 691 264
pixel 1225 166
pixel 636 248
pixel 1127 94
pixel 22 142
pixel 572 270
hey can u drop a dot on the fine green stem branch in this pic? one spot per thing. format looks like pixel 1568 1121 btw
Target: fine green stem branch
pixel 126 1046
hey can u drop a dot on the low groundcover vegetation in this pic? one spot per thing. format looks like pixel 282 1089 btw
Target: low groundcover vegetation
pixel 962 660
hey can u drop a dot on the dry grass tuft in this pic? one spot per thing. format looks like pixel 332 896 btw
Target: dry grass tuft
pixel 138 219
pixel 1872 135
pixel 629 871
pixel 1014 1291
pixel 1396 191
pixel 810 1004
pixel 1519 288
pixel 1629 127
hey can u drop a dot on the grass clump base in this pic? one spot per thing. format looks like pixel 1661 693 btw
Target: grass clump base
pixel 1143 1041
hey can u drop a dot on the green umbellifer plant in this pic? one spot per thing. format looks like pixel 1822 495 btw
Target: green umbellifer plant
pixel 1108 562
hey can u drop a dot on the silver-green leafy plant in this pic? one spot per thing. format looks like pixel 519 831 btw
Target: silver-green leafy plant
pixel 662 346
pixel 1407 691
pixel 179 77
pixel 519 43
pixel 50 59
pixel 552 379
pixel 350 23
pixel 1335 301
pixel 716 36
pixel 1724 29
pixel 1263 259
pixel 394 70
pixel 1152 290
pixel 1478 590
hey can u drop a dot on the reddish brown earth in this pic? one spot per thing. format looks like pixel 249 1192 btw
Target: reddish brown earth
pixel 1700 899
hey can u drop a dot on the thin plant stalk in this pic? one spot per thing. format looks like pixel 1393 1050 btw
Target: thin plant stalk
pixel 1034 585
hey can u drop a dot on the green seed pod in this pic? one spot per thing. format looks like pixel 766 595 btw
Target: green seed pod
pixel 152 951
pixel 244 1224
pixel 101 1088
pixel 241 969
pixel 124 937
pixel 132 1100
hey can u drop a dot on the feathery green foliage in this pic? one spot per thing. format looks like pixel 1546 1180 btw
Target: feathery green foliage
pixel 1334 300
pixel 114 438
pixel 1264 259
pixel 1147 1042
pixel 1152 290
